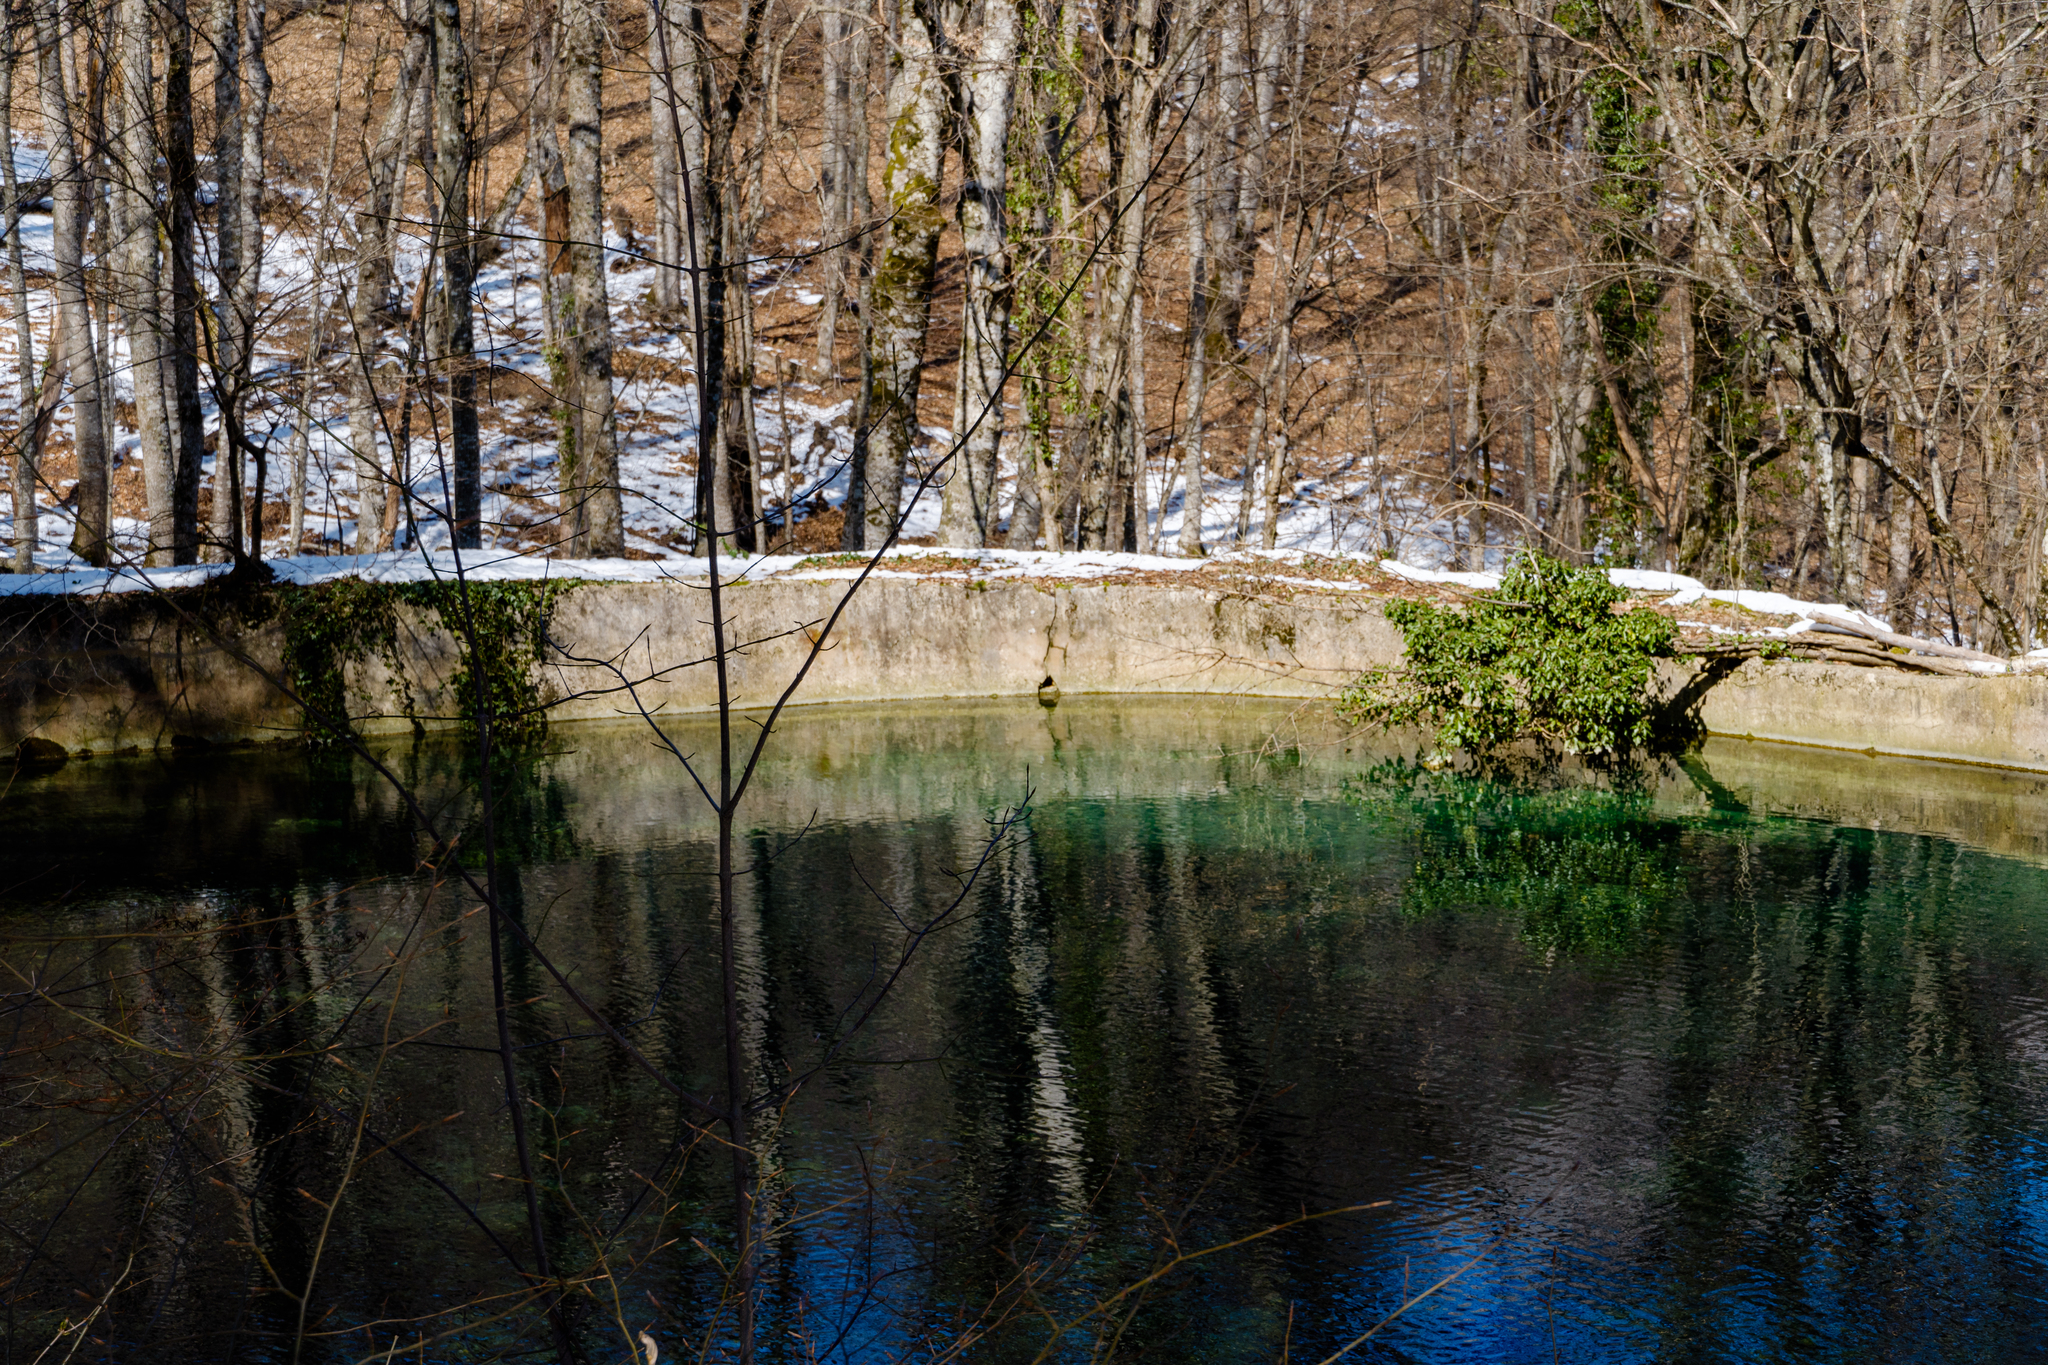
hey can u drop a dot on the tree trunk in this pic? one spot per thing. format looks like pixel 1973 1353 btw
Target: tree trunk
pixel 843 174
pixel 372 301
pixel 1201 314
pixel 704 142
pixel 1272 403
pixel 68 189
pixel 224 519
pixel 989 93
pixel 1114 444
pixel 596 527
pixel 138 260
pixel 316 329
pixel 663 95
pixel 454 151
pixel 1575 398
pixel 255 120
pixel 899 295
pixel 23 483
pixel 182 302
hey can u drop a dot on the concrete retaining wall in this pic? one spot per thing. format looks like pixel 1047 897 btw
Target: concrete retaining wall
pixel 141 672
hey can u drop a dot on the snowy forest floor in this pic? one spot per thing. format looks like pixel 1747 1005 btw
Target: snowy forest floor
pixel 803 424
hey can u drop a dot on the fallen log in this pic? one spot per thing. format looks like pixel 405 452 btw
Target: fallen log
pixel 1831 650
pixel 1844 626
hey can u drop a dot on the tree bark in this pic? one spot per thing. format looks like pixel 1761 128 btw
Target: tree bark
pixel 182 298
pixel 24 472
pixel 372 304
pixel 137 262
pixel 255 122
pixel 224 518
pixel 68 189
pixel 988 95
pixel 454 152
pixel 596 526
pixel 664 36
pixel 899 294
pixel 1201 313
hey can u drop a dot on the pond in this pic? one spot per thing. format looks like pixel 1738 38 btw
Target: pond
pixel 1744 1058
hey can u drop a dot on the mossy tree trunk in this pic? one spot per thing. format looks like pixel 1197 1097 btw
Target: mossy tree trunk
pixel 899 295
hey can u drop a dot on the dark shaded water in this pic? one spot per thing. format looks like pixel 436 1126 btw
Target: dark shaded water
pixel 1665 1077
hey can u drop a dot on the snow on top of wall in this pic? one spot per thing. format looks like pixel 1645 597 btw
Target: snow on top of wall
pixel 418 566
pixel 1776 604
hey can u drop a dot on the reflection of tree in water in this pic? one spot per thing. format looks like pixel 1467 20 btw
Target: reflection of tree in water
pixel 1585 869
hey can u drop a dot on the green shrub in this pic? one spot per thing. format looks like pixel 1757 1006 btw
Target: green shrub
pixel 1545 656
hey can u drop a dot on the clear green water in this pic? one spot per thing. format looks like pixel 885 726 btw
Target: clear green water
pixel 1671 1078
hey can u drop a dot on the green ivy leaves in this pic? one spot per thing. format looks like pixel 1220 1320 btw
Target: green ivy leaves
pixel 1546 656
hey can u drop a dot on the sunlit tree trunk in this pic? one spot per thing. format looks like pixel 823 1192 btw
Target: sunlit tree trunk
pixel 454 150
pixel 68 189
pixel 664 36
pixel 255 124
pixel 137 266
pixel 1201 308
pixel 181 287
pixel 316 330
pixel 704 142
pixel 843 173
pixel 989 93
pixel 899 294
pixel 224 519
pixel 596 526
pixel 23 466
pixel 1113 443
pixel 371 302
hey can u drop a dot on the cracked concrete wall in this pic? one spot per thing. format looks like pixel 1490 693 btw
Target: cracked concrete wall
pixel 131 672
pixel 903 638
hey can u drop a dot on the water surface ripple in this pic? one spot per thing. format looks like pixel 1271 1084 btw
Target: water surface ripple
pixel 1659 1071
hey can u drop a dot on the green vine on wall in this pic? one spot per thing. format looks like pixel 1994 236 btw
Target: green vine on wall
pixel 510 622
pixel 327 627
pixel 331 625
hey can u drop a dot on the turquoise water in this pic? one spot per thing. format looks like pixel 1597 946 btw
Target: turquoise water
pixel 1657 1075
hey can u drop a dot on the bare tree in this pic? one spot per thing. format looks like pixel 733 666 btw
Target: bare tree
pixel 377 492
pixel 899 294
pixel 455 246
pixel 590 460
pixel 985 95
pixel 69 190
